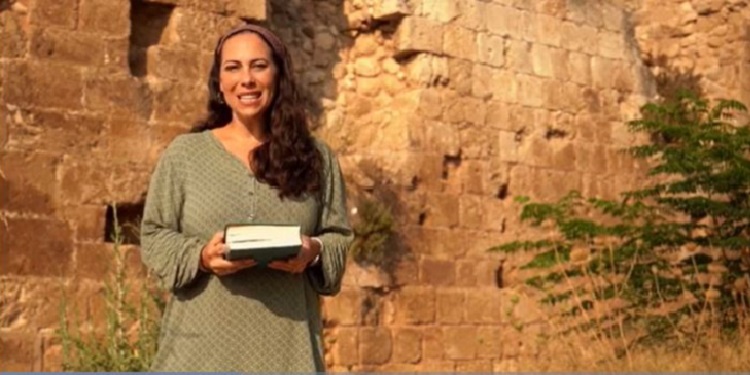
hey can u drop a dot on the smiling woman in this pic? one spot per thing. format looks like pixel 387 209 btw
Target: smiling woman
pixel 252 161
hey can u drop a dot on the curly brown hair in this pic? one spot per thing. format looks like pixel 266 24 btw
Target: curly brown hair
pixel 289 159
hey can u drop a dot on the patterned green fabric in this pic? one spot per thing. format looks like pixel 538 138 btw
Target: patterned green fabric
pixel 257 319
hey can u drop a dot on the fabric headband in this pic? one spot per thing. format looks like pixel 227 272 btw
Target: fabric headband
pixel 277 46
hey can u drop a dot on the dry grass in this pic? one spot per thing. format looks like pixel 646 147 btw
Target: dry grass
pixel 576 355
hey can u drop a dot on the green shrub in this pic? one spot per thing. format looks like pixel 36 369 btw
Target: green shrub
pixel 673 251
pixel 132 328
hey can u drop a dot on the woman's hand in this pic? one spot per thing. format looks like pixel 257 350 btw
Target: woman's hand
pixel 212 258
pixel 310 250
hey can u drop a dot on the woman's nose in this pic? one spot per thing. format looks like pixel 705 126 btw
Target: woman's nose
pixel 247 77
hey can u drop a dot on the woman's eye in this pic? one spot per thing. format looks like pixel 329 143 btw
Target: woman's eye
pixel 260 66
pixel 230 68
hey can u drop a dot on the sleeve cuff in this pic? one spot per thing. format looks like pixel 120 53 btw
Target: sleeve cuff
pixel 316 261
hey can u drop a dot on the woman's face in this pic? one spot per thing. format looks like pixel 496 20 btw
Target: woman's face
pixel 247 76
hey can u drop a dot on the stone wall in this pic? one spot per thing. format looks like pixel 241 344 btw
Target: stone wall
pixel 91 92
pixel 442 109
pixel 454 108
pixel 700 43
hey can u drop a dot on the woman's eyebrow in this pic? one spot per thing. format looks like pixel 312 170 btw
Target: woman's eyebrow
pixel 236 61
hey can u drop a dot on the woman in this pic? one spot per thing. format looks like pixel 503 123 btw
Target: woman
pixel 252 161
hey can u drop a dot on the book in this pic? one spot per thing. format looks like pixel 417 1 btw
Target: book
pixel 263 243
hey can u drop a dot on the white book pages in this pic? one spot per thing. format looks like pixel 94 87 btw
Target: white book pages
pixel 262 236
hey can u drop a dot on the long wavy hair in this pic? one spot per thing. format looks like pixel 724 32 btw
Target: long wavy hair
pixel 289 160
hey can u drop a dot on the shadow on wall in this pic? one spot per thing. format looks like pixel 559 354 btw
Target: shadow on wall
pixel 671 80
pixel 315 35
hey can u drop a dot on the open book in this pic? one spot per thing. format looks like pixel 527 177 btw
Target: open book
pixel 263 243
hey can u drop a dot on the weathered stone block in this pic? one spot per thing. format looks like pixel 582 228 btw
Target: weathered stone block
pixel 128 139
pixel 248 10
pixel 491 50
pixel 178 102
pixel 503 20
pixel 470 211
pixel 68 46
pixel 449 302
pixel 406 272
pixel 416 34
pixel 367 66
pixel 460 71
pixel 407 346
pixel 54 13
pixel 173 63
pixel 443 11
pixel 433 344
pixel 474 366
pixel 84 183
pixel 579 38
pixel 504 86
pixel 18 352
pixel 117 93
pixel 518 56
pixel 554 98
pixel 88 221
pixel 437 272
pixel 460 342
pixel 104 16
pixel 460 42
pixel 438 367
pixel 368 86
pixel 48 84
pixel 564 157
pixel 29 182
pixel 483 306
pixel 13 34
pixel 613 17
pixel 611 44
pixel 490 342
pixel 579 68
pixel 549 30
pixel 442 138
pixel 51 253
pixel 345 309
pixel 415 305
pixel 552 7
pixel 602 70
pixel 529 90
pixel 345 351
pixel 391 10
pixel 442 211
pixel 93 260
pixel 128 182
pixel 481 81
pixel 472 15
pixel 541 60
pixel 473 172
pixel 189 26
pixel 375 345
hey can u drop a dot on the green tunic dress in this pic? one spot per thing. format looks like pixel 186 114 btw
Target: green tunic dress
pixel 258 319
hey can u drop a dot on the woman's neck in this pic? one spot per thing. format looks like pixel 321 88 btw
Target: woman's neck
pixel 247 130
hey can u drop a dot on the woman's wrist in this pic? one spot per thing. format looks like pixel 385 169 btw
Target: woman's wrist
pixel 201 262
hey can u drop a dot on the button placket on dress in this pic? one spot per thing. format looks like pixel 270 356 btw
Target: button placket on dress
pixel 253 199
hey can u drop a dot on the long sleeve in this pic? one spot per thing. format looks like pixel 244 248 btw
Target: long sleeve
pixel 334 230
pixel 173 257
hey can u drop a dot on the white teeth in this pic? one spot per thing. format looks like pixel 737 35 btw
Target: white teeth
pixel 249 97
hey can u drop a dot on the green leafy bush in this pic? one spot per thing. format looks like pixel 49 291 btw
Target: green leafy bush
pixel 671 259
pixel 132 328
